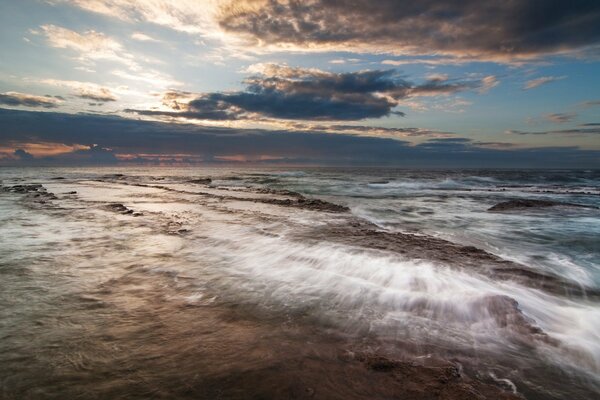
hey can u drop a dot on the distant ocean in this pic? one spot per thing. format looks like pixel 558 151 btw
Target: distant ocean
pixel 299 283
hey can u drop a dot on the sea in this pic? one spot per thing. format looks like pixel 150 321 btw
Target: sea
pixel 277 282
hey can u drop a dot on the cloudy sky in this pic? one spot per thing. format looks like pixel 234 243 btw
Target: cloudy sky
pixel 431 83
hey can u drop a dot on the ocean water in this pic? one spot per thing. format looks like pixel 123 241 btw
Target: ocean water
pixel 151 283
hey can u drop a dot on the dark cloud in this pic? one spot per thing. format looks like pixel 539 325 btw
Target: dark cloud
pixel 282 92
pixel 493 29
pixel 497 145
pixel 94 155
pixel 370 130
pixel 583 130
pixel 23 155
pixel 28 100
pixel 144 141
pixel 209 113
pixel 102 95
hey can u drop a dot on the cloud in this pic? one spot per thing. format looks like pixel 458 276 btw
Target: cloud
pixel 487 83
pixel 495 30
pixel 142 37
pixel 531 84
pixel 84 90
pixel 39 148
pixel 90 45
pixel 101 95
pixel 590 103
pixel 23 155
pixel 28 100
pixel 492 30
pixel 283 92
pixel 363 130
pixel 127 140
pixel 560 118
pixel 583 130
pixel 189 16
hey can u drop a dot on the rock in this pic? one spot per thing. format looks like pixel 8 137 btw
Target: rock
pixel 120 208
pixel 202 181
pixel 442 381
pixel 520 204
pixel 281 192
pixel 24 188
pixel 420 246
pixel 33 191
pixel 114 176
pixel 506 313
pixel 309 204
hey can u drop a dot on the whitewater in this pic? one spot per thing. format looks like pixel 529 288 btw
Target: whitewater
pixel 299 283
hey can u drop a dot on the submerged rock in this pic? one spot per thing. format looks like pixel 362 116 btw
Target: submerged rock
pixel 520 204
pixel 309 204
pixel 506 313
pixel 35 192
pixel 24 188
pixel 202 181
pixel 120 208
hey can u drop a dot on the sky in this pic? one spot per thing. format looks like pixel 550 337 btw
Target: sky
pixel 430 83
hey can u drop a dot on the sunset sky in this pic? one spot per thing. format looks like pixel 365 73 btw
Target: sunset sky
pixel 428 83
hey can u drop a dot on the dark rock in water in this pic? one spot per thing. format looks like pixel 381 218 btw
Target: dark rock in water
pixel 58 178
pixel 202 181
pixel 320 205
pixel 309 204
pixel 35 192
pixel 282 192
pixel 520 204
pixel 120 208
pixel 114 176
pixel 24 188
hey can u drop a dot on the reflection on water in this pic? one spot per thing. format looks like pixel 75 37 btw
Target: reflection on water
pixel 192 291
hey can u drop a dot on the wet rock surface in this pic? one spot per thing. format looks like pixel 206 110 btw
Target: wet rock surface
pixel 121 209
pixel 295 199
pixel 414 381
pixel 35 192
pixel 424 247
pixel 305 203
pixel 202 181
pixel 522 204
pixel 506 313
